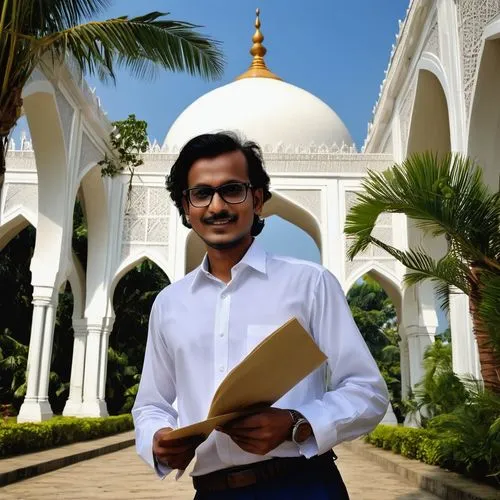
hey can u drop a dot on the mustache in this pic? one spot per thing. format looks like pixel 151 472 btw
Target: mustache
pixel 224 214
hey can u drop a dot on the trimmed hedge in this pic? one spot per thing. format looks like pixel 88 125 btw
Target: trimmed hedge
pixel 428 446
pixel 16 439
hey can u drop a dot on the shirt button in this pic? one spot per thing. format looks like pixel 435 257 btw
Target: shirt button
pixel 221 368
pixel 224 295
pixel 221 334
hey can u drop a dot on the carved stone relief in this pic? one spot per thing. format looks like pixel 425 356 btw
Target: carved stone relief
pixel 147 218
pixel 25 195
pixel 66 112
pixel 88 154
pixel 382 231
pixel 406 112
pixel 432 44
pixel 310 200
pixel 293 163
pixel 474 15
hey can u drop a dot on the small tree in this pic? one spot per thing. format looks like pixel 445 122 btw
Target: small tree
pixel 446 196
pixel 130 140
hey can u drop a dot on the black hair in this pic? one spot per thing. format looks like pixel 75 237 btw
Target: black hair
pixel 210 146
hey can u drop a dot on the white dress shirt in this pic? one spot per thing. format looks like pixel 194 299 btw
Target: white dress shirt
pixel 201 327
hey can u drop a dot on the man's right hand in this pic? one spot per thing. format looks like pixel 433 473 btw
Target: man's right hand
pixel 174 453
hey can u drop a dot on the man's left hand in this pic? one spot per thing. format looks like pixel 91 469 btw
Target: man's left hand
pixel 261 432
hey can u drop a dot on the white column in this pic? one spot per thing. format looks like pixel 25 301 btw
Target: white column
pixel 73 406
pixel 45 362
pixel 106 330
pixel 36 406
pixel 463 342
pixel 419 338
pixel 405 365
pixel 92 406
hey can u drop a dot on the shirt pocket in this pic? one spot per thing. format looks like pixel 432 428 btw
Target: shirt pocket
pixel 257 333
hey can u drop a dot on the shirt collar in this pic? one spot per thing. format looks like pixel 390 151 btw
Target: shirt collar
pixel 255 258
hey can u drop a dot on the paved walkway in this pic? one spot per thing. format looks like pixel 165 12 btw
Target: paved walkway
pixel 122 475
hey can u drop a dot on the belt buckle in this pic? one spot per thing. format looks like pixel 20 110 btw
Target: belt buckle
pixel 241 479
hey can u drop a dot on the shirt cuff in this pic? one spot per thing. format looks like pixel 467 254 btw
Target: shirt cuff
pixel 324 431
pixel 144 446
pixel 161 469
pixel 309 448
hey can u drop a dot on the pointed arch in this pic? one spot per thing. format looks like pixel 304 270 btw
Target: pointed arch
pixel 391 284
pixel 134 260
pixel 14 224
pixel 294 213
pixel 40 105
pixel 430 120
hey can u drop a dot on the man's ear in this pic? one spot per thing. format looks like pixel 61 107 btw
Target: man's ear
pixel 185 206
pixel 258 200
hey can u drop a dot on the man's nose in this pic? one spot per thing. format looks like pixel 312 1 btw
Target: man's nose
pixel 217 203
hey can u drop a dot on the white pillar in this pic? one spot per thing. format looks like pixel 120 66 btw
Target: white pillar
pixel 389 417
pixel 463 343
pixel 73 406
pixel 36 406
pixel 106 330
pixel 45 362
pixel 405 365
pixel 92 405
pixel 419 338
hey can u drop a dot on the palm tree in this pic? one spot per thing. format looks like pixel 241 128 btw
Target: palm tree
pixel 445 195
pixel 34 32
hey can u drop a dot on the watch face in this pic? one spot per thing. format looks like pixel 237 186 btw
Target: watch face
pixel 302 432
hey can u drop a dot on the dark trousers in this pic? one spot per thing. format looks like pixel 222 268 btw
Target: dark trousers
pixel 326 484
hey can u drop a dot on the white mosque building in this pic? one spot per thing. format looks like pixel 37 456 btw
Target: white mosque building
pixel 440 92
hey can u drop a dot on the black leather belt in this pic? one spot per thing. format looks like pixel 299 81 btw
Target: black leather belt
pixel 248 475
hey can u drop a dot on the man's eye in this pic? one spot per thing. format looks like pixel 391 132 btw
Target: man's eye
pixel 232 189
pixel 202 193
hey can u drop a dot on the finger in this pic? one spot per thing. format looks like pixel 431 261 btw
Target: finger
pixel 165 440
pixel 249 422
pixel 250 446
pixel 252 434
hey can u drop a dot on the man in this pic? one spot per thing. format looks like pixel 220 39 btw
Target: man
pixel 206 323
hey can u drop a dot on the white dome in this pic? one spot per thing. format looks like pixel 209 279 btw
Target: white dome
pixel 270 112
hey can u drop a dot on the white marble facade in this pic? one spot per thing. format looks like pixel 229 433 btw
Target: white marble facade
pixel 439 92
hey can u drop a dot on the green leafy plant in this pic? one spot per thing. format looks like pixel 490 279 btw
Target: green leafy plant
pixel 16 439
pixel 440 390
pixel 446 196
pixel 34 33
pixel 375 317
pixel 129 139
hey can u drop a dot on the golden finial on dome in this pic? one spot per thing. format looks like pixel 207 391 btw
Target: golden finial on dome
pixel 258 68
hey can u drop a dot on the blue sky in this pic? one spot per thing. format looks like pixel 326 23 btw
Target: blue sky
pixel 337 50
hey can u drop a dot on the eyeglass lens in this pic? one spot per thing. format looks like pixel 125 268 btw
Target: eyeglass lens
pixel 230 193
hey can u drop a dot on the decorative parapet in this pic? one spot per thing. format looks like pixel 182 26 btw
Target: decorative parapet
pixel 25 144
pixel 292 163
pixel 155 148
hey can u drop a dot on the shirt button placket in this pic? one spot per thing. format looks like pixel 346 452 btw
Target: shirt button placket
pixel 221 338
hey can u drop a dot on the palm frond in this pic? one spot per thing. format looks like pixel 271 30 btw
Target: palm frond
pixel 100 47
pixel 41 17
pixel 444 195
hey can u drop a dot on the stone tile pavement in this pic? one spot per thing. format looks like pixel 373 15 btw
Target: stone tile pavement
pixel 122 475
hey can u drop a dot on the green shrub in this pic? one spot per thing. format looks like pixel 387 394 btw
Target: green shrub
pixel 16 439
pixel 444 449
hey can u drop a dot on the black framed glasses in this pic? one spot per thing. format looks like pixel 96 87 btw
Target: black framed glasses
pixel 232 193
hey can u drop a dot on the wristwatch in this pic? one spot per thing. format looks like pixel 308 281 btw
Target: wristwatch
pixel 301 427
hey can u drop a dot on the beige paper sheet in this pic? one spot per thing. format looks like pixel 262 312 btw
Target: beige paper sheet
pixel 274 367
